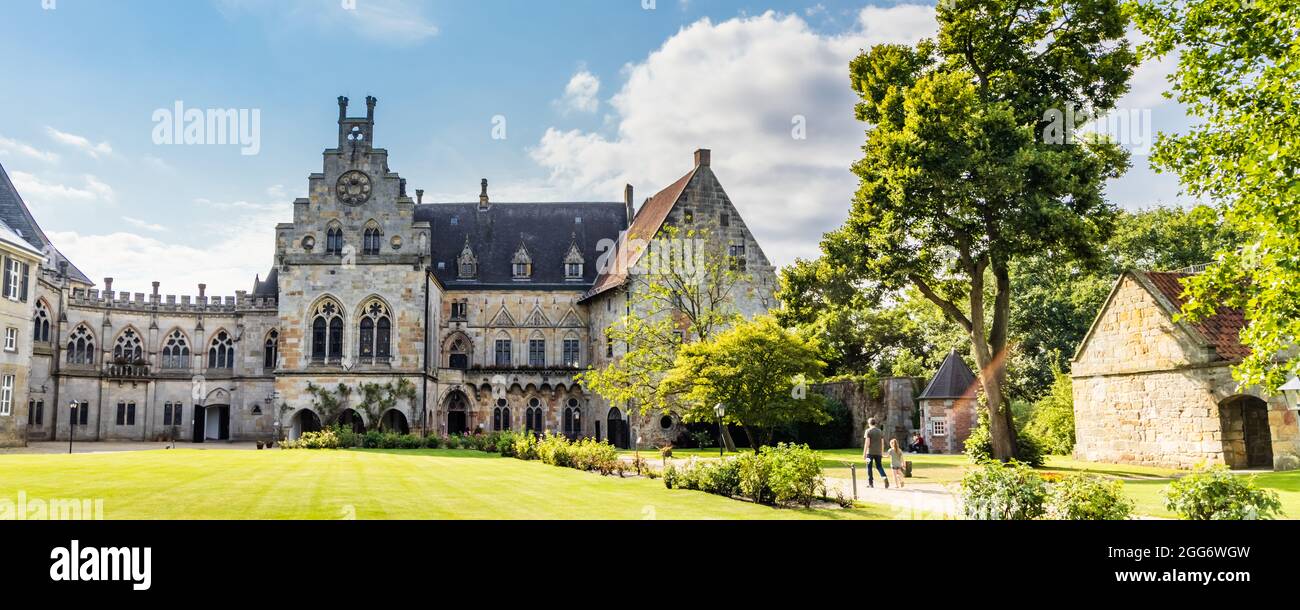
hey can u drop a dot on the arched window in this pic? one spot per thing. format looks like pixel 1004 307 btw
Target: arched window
pixel 334 240
pixel 271 350
pixel 458 355
pixel 327 332
pixel 128 348
pixel 81 346
pixel 572 419
pixel 370 240
pixel 375 338
pixel 501 416
pixel 222 353
pixel 176 351
pixel 41 325
pixel 533 416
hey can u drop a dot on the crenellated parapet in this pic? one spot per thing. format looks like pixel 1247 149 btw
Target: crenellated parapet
pixel 141 302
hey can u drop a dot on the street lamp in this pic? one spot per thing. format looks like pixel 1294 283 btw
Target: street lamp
pixel 1291 392
pixel 72 424
pixel 720 410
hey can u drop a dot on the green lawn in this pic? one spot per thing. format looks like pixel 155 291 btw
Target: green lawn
pixel 197 484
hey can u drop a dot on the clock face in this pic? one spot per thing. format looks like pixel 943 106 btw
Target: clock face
pixel 353 188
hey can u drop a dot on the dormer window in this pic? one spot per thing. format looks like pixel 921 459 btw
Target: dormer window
pixel 573 261
pixel 521 266
pixel 466 263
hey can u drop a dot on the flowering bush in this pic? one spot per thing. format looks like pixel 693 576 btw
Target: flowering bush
pixel 1082 497
pixel 1003 492
pixel 1214 494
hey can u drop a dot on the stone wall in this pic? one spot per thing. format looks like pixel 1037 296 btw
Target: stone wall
pixel 892 403
pixel 960 418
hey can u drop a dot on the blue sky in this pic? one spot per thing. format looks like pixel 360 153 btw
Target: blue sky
pixel 595 93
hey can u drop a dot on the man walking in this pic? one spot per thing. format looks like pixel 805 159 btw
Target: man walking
pixel 873 450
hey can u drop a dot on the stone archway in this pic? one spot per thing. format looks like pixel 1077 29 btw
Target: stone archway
pixel 1247 436
pixel 350 418
pixel 456 409
pixel 304 420
pixel 394 420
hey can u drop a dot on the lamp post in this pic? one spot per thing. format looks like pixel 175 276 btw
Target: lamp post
pixel 72 424
pixel 720 410
pixel 1291 392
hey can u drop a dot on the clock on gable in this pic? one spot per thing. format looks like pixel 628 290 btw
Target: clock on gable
pixel 353 188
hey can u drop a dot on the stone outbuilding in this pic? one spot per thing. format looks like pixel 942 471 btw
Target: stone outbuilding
pixel 949 406
pixel 1154 391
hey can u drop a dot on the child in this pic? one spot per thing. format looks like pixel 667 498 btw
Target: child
pixel 896 462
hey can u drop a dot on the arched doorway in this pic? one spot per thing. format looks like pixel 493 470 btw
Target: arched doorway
pixel 350 418
pixel 211 423
pixel 617 428
pixel 457 408
pixel 1247 437
pixel 303 421
pixel 394 421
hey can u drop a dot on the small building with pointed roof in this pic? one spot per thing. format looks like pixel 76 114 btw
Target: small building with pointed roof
pixel 949 406
pixel 1153 389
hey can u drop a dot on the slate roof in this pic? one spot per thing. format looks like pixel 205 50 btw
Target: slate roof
pixel 1222 330
pixel 649 219
pixel 547 230
pixel 14 214
pixel 954 380
pixel 269 287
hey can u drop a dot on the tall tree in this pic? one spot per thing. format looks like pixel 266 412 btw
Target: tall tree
pixel 1239 76
pixel 968 165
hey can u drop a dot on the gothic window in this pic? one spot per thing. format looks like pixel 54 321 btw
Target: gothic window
pixel 370 240
pixel 522 265
pixel 572 353
pixel 176 351
pixel 334 240
pixel 501 416
pixel 375 333
pixel 460 310
pixel 271 350
pixel 533 416
pixel 221 355
pixel 503 348
pixel 537 353
pixel 459 355
pixel 327 333
pixel 128 347
pixel 81 346
pixel 466 263
pixel 41 324
pixel 572 419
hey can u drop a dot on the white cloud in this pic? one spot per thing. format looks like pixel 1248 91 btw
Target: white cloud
pixel 157 163
pixel 80 143
pixel 581 94
pixel 10 147
pixel 737 87
pixel 141 224
pixel 388 21
pixel 38 191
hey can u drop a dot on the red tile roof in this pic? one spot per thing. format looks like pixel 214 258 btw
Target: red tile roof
pixel 1223 330
pixel 645 226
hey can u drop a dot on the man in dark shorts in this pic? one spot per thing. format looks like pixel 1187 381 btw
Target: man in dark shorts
pixel 873 449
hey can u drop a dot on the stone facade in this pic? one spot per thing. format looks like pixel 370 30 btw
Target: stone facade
pixel 19 264
pixel 488 310
pixel 892 403
pixel 1152 391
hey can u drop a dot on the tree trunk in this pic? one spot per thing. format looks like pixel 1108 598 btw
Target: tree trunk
pixel 727 442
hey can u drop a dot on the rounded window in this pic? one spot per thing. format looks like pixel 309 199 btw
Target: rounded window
pixel 665 422
pixel 501 402
pixel 533 402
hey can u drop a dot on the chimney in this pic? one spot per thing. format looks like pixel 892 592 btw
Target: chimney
pixel 203 289
pixel 343 108
pixel 108 285
pixel 370 108
pixel 483 197
pixel 63 269
pixel 627 200
pixel 702 157
pixel 419 195
pixel 401 188
pixel 155 288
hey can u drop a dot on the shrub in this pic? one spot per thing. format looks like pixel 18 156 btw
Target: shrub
pixel 795 475
pixel 755 475
pixel 347 437
pixel 721 477
pixel 432 441
pixel 670 476
pixel 1214 494
pixel 979 445
pixel 526 446
pixel 1052 419
pixel 554 450
pixel 506 443
pixel 410 441
pixel 1082 497
pixel 390 440
pixel 372 439
pixel 702 439
pixel 324 439
pixel 593 455
pixel 1003 492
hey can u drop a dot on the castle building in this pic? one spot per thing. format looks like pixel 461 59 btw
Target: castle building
pixel 1154 389
pixel 379 310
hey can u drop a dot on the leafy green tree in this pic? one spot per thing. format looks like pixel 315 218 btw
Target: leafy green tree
pixel 1052 418
pixel 758 369
pixel 960 174
pixel 1239 77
